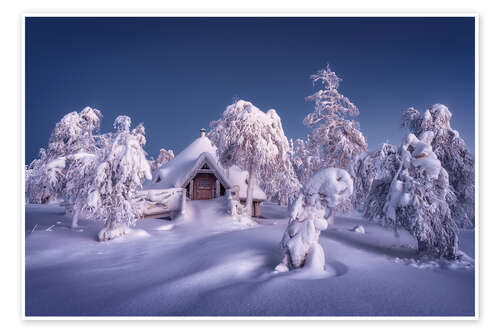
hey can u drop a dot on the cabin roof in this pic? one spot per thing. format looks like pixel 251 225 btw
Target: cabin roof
pixel 183 167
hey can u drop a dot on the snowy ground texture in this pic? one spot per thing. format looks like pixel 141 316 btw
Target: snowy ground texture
pixel 212 266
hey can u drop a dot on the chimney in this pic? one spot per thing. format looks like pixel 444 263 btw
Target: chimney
pixel 203 132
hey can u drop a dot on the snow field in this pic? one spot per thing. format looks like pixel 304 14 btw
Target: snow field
pixel 209 264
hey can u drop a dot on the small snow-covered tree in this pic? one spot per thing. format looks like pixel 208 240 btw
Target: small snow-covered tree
pixel 415 199
pixel 452 151
pixel 163 157
pixel 334 139
pixel 121 168
pixel 309 213
pixel 254 141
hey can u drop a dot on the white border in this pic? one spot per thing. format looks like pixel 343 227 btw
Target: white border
pixel 267 13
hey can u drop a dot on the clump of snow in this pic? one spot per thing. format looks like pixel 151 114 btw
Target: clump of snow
pixel 331 185
pixel 422 156
pixel 359 229
pixel 109 233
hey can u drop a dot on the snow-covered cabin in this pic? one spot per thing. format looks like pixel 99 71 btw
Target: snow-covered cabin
pixel 197 171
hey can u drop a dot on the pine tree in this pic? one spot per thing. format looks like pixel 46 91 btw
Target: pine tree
pixel 121 168
pixel 334 139
pixel 369 168
pixel 452 151
pixel 416 198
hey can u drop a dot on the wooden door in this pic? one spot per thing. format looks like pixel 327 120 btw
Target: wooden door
pixel 204 187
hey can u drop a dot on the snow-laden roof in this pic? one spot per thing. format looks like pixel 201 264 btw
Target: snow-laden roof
pixel 177 171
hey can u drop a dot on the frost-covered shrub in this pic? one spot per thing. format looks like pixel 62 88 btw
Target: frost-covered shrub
pixel 334 139
pixel 451 150
pixel 121 168
pixel 254 141
pixel 321 194
pixel 415 199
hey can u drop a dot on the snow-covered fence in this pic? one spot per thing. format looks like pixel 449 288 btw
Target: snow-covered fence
pixel 158 202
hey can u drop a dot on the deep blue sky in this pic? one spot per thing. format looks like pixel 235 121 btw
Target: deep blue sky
pixel 177 74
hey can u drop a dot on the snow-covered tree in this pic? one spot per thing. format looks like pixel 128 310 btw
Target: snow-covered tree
pixel 81 158
pixel 335 139
pixel 452 151
pixel 121 168
pixel 254 141
pixel 73 134
pixel 303 161
pixel 283 185
pixel 416 199
pixel 79 177
pixel 309 213
pixel 163 157
pixel 369 168
pixel 44 179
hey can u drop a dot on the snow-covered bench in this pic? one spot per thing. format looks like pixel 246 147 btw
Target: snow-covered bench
pixel 167 202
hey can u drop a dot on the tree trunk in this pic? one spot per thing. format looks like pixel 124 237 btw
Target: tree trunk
pixel 112 229
pixel 447 250
pixel 74 221
pixel 251 181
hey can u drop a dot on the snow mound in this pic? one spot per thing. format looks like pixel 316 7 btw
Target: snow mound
pixel 463 263
pixel 165 227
